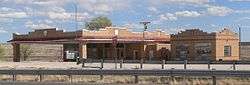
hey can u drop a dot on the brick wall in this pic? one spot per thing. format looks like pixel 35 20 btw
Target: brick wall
pixel 41 52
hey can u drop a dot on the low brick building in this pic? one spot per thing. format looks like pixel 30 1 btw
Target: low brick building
pixel 107 43
pixel 195 44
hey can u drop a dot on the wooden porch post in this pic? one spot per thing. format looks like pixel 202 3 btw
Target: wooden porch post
pixel 83 50
pixel 143 52
pixel 16 52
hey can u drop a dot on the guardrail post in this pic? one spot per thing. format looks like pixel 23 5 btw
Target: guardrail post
pixel 213 77
pixel 102 62
pixel 83 64
pixel 162 64
pixel 70 78
pixel 136 79
pixel 234 67
pixel 171 74
pixel 13 74
pixel 141 64
pixel 115 62
pixel 214 80
pixel 101 77
pixel 40 77
pixel 121 62
pixel 13 77
pixel 185 64
pixel 208 65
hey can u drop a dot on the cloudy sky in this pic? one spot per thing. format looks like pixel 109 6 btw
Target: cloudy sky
pixel 22 16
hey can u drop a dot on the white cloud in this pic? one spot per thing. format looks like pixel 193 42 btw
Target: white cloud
pixel 104 6
pixel 31 25
pixel 238 0
pixel 3 31
pixel 168 17
pixel 242 19
pixel 179 1
pixel 176 15
pixel 219 10
pixel 58 15
pixel 242 11
pixel 153 9
pixel 11 13
pixel 6 9
pixel 50 2
pixel 38 2
pixel 174 30
pixel 134 26
pixel 48 21
pixel 187 14
pixel 99 7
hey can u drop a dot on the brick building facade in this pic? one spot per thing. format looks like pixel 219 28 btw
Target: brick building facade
pixel 195 44
pixel 108 43
pixel 120 43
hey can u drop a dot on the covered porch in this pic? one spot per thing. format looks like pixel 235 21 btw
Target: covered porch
pixel 108 43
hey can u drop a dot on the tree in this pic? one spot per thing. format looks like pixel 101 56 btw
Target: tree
pixel 98 22
pixel 25 51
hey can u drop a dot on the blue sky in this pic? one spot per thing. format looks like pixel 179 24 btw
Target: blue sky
pixel 22 16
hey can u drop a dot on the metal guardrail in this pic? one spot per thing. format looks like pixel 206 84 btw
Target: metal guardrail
pixel 171 62
pixel 139 72
pixel 135 73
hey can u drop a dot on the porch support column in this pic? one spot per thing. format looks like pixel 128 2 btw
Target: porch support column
pixel 103 51
pixel 124 52
pixel 83 50
pixel 143 53
pixel 16 52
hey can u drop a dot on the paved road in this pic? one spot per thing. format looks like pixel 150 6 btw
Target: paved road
pixel 67 65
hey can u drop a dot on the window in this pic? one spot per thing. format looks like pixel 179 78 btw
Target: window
pixel 91 45
pixel 227 51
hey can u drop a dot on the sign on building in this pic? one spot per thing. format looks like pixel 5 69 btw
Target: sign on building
pixel 203 51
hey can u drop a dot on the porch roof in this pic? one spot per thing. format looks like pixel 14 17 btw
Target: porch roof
pixel 54 36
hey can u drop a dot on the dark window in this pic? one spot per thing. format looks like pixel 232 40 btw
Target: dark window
pixel 227 51
pixel 107 45
pixel 120 45
pixel 92 45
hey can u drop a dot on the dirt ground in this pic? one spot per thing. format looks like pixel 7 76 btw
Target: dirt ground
pixel 164 80
pixel 90 79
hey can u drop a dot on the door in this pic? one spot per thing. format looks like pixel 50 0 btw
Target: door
pixel 135 55
pixel 151 55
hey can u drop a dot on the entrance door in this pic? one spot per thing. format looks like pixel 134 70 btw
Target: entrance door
pixel 151 55
pixel 120 53
pixel 135 55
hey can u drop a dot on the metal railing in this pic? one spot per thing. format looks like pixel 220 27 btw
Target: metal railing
pixel 136 72
pixel 170 62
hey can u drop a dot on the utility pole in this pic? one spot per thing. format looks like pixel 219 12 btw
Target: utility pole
pixel 239 40
pixel 76 16
pixel 145 23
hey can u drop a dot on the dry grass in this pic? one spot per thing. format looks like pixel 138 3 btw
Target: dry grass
pixel 130 79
